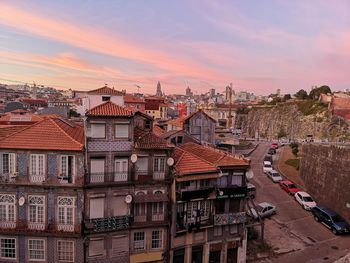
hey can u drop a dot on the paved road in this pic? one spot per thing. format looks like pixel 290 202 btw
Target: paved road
pixel 319 243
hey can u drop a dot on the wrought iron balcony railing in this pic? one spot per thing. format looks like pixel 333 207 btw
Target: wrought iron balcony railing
pixel 230 218
pixel 98 178
pixel 108 224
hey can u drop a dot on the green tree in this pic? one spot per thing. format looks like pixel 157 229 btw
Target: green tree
pixel 301 94
pixel 315 93
pixel 287 97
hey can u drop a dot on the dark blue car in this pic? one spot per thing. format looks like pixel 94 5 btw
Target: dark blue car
pixel 330 219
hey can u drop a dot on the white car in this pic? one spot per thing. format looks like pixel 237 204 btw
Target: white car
pixel 305 200
pixel 267 166
pixel 263 210
pixel 274 176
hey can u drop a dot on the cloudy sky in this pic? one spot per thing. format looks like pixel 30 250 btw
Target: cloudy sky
pixel 259 46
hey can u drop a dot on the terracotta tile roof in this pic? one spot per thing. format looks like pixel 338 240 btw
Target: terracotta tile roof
pixel 6 130
pixel 148 140
pixel 48 134
pixel 167 134
pixel 178 122
pixel 19 111
pixel 34 101
pixel 128 98
pixel 213 155
pixel 106 91
pixel 109 109
pixel 158 131
pixel 187 163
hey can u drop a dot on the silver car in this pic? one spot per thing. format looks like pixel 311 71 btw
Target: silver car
pixel 274 176
pixel 263 210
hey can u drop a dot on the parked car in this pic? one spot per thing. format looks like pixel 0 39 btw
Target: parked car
pixel 263 210
pixel 330 219
pixel 268 158
pixel 272 151
pixel 289 187
pixel 274 176
pixel 267 166
pixel 274 145
pixel 251 190
pixel 305 200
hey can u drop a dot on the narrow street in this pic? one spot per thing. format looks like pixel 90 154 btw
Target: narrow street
pixel 293 233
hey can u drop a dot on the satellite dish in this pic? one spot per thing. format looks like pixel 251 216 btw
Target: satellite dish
pixel 128 199
pixel 170 161
pixel 21 201
pixel 249 174
pixel 221 193
pixel 133 158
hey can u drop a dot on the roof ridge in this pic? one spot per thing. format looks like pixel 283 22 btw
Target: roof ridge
pixel 51 119
pixel 199 156
pixel 25 128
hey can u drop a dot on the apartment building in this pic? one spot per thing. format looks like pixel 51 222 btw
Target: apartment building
pixel 208 196
pixel 127 187
pixel 41 193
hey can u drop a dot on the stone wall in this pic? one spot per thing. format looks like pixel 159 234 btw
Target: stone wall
pixel 326 173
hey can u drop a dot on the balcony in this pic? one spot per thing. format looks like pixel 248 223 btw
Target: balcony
pixel 24 226
pixel 36 226
pixel 8 225
pixel 158 175
pixel 100 178
pixel 8 178
pixel 108 224
pixel 230 218
pixel 195 223
pixel 36 178
pixel 195 193
pixel 158 217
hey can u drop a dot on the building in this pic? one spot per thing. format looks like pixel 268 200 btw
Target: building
pixel 201 126
pixel 208 197
pixel 41 193
pixel 127 187
pixel 159 92
pixel 93 98
pixel 189 93
pixel 220 113
pixel 156 108
pixel 134 103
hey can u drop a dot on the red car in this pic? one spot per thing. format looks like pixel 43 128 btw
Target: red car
pixel 289 187
pixel 274 145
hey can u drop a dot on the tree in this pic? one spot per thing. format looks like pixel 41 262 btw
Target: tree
pixel 281 133
pixel 315 93
pixel 301 94
pixel 287 97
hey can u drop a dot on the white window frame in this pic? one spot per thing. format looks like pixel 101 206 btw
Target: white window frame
pixel 36 207
pixel 157 208
pixel 63 168
pixel 11 164
pixel 37 167
pixel 63 209
pixel 121 169
pixel 58 250
pixel 159 164
pixel 9 208
pixel 94 133
pixel 33 249
pixel 1 248
pixel 123 136
pixel 159 239
pixel 138 209
pixel 139 245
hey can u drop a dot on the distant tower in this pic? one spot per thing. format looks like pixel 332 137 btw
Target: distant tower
pixel 278 92
pixel 34 91
pixel 212 93
pixel 188 92
pixel 159 90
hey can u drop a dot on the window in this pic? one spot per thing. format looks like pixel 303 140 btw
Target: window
pixel 8 163
pixel 97 208
pixel 122 130
pixel 237 180
pixel 218 231
pixel 37 165
pixel 36 249
pixel 96 247
pixel 140 209
pixel 121 170
pixel 65 250
pixel 66 210
pixel 7 208
pixel 106 98
pixel 191 211
pixel 67 168
pixel 159 164
pixel 139 241
pixel 157 239
pixel 204 207
pixel 220 206
pixel 142 165
pixel 97 169
pixel 98 130
pixel 234 205
pixel 8 248
pixel 148 124
pixel 36 209
pixel 179 139
pixel 157 208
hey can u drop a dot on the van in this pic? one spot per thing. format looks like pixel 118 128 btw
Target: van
pixel 251 190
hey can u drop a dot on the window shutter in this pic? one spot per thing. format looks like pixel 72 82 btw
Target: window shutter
pixel 33 164
pixel 12 163
pixel 63 165
pixel 97 208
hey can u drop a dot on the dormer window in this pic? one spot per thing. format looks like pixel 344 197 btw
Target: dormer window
pixel 147 124
pixel 106 98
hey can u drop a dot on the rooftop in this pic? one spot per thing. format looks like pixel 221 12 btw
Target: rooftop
pixel 149 140
pixel 106 91
pixel 109 109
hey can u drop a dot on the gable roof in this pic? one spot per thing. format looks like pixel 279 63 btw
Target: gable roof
pixel 148 140
pixel 158 131
pixel 178 122
pixel 48 134
pixel 197 112
pixel 128 98
pixel 106 91
pixel 109 109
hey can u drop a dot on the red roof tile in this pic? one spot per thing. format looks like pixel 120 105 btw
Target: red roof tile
pixel 128 98
pixel 48 134
pixel 106 91
pixel 178 122
pixel 109 109
pixel 6 130
pixel 148 140
pixel 157 130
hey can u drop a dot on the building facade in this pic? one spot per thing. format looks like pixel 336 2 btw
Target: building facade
pixel 41 193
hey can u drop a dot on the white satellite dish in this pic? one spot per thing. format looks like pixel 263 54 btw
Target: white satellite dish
pixel 170 161
pixel 133 158
pixel 221 193
pixel 249 174
pixel 21 201
pixel 128 199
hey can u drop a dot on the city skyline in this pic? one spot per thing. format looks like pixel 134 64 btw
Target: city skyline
pixel 258 46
